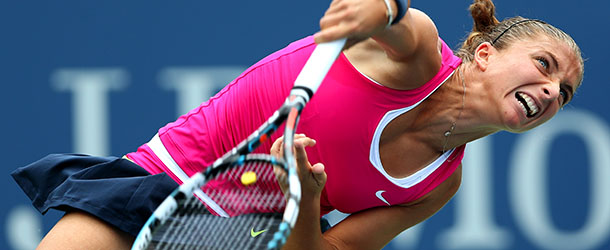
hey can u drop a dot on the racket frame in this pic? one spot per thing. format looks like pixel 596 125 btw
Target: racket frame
pixel 306 84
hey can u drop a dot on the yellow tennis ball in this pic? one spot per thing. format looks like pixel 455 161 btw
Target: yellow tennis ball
pixel 248 178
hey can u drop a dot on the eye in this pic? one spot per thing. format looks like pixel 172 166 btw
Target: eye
pixel 543 62
pixel 564 96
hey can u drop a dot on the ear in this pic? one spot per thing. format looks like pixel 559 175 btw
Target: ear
pixel 482 55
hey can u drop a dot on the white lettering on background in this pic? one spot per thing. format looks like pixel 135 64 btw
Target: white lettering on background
pixel 474 217
pixel 23 227
pixel 528 185
pixel 195 85
pixel 89 88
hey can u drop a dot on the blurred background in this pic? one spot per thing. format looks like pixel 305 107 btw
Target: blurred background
pixel 100 77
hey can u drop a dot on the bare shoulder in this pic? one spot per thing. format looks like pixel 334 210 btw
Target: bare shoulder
pixel 404 57
pixel 425 59
pixel 416 34
pixel 424 28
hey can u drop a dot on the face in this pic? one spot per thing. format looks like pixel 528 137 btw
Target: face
pixel 530 81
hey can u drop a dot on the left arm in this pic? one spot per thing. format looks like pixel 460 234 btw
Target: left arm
pixel 379 225
pixel 306 233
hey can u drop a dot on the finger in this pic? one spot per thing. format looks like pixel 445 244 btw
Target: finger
pixel 317 170
pixel 281 178
pixel 276 147
pixel 332 33
pixel 333 19
pixel 298 136
pixel 301 158
pixel 336 5
pixel 304 142
pixel 280 175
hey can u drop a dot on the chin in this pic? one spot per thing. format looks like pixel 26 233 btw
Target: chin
pixel 515 130
pixel 514 124
pixel 521 128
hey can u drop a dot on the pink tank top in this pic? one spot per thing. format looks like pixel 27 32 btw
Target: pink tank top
pixel 346 117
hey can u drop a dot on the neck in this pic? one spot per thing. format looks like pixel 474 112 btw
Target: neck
pixel 456 120
pixel 474 122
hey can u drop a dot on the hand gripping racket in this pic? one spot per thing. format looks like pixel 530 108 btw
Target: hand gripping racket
pixel 241 206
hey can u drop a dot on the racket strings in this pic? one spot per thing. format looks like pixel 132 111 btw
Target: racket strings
pixel 206 231
pixel 263 196
pixel 255 212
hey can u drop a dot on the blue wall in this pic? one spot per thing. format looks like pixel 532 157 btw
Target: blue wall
pixel 76 75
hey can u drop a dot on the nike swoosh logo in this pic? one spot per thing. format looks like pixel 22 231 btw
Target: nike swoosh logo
pixel 257 233
pixel 379 195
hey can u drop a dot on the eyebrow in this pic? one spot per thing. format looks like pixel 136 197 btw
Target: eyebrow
pixel 554 59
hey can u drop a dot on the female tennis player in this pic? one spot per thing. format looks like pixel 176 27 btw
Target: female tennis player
pixel 386 129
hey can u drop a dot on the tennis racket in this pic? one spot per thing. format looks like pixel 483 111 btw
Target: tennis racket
pixel 236 203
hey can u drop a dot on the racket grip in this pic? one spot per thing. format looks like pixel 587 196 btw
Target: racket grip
pixel 316 68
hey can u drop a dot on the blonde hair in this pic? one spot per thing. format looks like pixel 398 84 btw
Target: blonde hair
pixel 501 34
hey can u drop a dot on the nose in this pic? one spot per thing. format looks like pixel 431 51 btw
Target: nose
pixel 550 91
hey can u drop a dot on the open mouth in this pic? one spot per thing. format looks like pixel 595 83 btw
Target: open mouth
pixel 527 103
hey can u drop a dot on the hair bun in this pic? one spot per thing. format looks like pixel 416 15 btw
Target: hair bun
pixel 483 13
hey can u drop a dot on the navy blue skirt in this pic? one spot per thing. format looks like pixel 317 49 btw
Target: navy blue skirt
pixel 113 189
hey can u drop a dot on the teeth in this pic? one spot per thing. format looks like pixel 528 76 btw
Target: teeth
pixel 523 107
pixel 528 104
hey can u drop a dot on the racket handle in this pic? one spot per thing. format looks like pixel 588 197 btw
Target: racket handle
pixel 316 68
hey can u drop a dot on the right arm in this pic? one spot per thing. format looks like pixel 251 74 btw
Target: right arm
pixel 361 19
pixel 407 52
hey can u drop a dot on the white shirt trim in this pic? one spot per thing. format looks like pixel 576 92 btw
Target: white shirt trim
pixel 368 77
pixel 156 145
pixel 375 159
